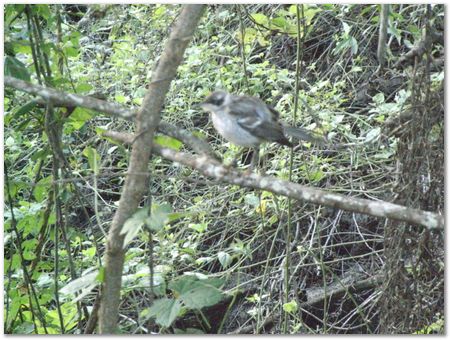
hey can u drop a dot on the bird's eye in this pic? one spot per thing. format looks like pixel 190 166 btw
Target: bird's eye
pixel 216 100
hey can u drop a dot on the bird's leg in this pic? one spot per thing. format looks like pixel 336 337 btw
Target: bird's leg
pixel 255 158
pixel 263 163
pixel 236 157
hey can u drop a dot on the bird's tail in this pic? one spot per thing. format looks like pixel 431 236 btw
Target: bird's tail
pixel 303 134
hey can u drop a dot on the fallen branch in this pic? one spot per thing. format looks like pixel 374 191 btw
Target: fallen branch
pixel 317 295
pixel 214 169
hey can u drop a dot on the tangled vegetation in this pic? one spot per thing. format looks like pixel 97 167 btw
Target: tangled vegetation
pixel 204 256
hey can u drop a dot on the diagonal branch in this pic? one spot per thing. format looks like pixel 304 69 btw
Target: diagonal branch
pixel 221 173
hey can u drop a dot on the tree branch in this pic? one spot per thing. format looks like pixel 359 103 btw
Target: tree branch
pixel 63 99
pixel 60 98
pixel 212 168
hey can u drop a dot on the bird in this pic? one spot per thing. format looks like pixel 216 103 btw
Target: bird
pixel 249 122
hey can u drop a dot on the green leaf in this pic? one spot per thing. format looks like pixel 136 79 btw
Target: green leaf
pixel 9 142
pixel 94 159
pixel 280 22
pixel 83 88
pixel 79 117
pixel 159 12
pixel 201 296
pixel 195 293
pixel 43 10
pixel 24 328
pixel 25 108
pixel 252 199
pixel 121 99
pixel 260 18
pixel 354 45
pixel 132 226
pixel 373 134
pixel 347 28
pixel 15 68
pixel 290 307
pixel 199 227
pixel 310 13
pixel 225 259
pixel 29 225
pixel 168 142
pixel 101 275
pixel 315 176
pixel 71 51
pixel 159 216
pixel 83 286
pixel 165 310
pixel 378 98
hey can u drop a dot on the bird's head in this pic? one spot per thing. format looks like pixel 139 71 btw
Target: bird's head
pixel 214 100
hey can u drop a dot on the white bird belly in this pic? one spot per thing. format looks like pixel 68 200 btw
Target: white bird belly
pixel 229 129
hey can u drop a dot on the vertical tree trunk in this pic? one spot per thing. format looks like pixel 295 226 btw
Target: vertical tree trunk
pixel 136 181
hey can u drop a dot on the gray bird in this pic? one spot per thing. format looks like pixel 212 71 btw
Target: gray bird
pixel 248 121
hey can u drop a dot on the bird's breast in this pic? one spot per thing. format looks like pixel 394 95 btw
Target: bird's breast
pixel 228 127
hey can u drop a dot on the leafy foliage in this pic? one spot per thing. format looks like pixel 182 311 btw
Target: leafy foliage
pixel 199 233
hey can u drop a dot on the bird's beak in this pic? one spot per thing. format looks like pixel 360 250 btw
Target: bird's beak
pixel 206 106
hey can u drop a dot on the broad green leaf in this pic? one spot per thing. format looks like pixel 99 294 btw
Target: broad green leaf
pixel 9 142
pixel 290 307
pixel 42 10
pixel 260 18
pixel 168 142
pixel 15 68
pixel 165 311
pixel 71 51
pixel 315 176
pixel 29 255
pixel 310 13
pixel 182 284
pixel 29 224
pixel 346 27
pixel 159 216
pixel 26 327
pixel 121 99
pixel 280 22
pixel 159 12
pixel 79 117
pixel 132 226
pixel 225 259
pixel 83 88
pixel 195 293
pixel 201 296
pixel 101 275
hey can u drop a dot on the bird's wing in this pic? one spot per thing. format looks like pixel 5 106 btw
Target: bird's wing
pixel 244 106
pixel 266 130
pixel 275 113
